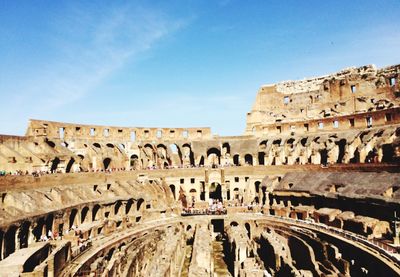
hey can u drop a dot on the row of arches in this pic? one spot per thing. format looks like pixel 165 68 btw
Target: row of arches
pixel 20 236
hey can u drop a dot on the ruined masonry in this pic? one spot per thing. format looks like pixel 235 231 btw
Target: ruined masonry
pixel 312 188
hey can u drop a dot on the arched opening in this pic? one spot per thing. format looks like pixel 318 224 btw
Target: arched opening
pixel 139 204
pixel 110 145
pixel 257 186
pixel 176 152
pixel 72 217
pixel 188 154
pixel 69 165
pixel 324 156
pixel 202 191
pixel 356 157
pixel 128 206
pixel 106 163
pixel 193 194
pixel 84 212
pixel 134 161
pixel 50 143
pixel 215 191
pixel 95 210
pixel 226 148
pixel 97 145
pixel 234 224
pixel 49 223
pixel 236 193
pixel 341 144
pixel 371 156
pixel 9 241
pixel 264 195
pixel 247 226
pixel 118 205
pixel 110 254
pixel 172 188
pixel 236 160
pixel 248 159
pixel 38 229
pixel 201 162
pixel 54 164
pixel 261 157
pixel 388 153
pixel 213 156
pixel 162 151
pixel 23 235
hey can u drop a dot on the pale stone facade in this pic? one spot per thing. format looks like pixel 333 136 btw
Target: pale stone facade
pixel 306 191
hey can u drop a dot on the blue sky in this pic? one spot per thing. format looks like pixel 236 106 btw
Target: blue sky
pixel 176 63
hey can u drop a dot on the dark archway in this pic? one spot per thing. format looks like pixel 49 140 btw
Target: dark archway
pixel 69 165
pixel 134 160
pixel 236 160
pixel 106 163
pixel 214 156
pixel 117 206
pixel 342 145
pixel 356 157
pixel 324 156
pixel 128 206
pixel 215 191
pixel 54 164
pixel 261 157
pixel 23 234
pixel 49 222
pixel 201 162
pixel 72 216
pixel 172 187
pixel 257 186
pixel 84 213
pixel 139 204
pixel 95 210
pixel 248 159
pixel 9 241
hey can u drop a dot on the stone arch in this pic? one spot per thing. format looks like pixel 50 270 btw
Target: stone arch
pixel 201 161
pixel 236 159
pixel 227 147
pixel 134 161
pixel 248 229
pixel 248 158
pixel 23 234
pixel 324 156
pixel 38 229
pixel 188 156
pixel 117 207
pixel 128 206
pixel 139 203
pixel 106 163
pixel 84 213
pixel 9 240
pixel 95 211
pixel 342 150
pixel 257 186
pixel 214 156
pixel 49 223
pixel 215 191
pixel 172 188
pixel 54 164
pixel 69 165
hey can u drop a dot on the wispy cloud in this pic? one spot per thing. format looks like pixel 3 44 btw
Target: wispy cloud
pixel 92 46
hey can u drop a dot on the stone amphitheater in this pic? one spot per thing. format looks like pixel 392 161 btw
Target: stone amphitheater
pixel 312 188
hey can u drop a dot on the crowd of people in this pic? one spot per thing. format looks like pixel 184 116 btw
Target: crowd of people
pixel 39 173
pixel 215 207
